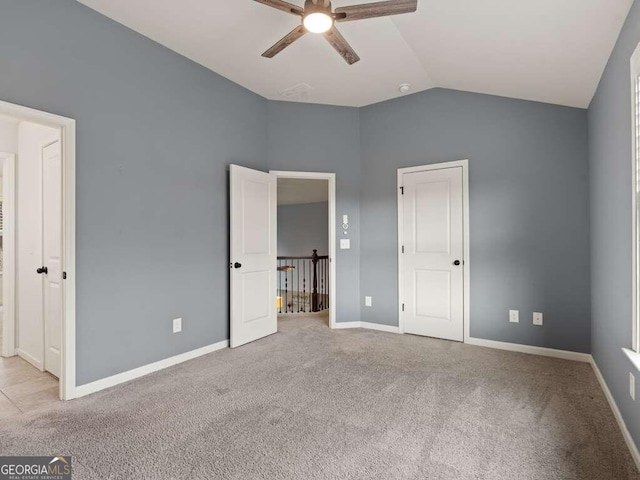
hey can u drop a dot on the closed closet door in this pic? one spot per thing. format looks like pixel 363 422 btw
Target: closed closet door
pixel 432 272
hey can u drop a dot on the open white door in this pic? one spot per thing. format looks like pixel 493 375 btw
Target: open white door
pixel 253 255
pixel 52 255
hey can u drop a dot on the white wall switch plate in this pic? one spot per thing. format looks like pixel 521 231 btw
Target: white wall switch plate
pixel 345 219
pixel 367 301
pixel 537 318
pixel 514 316
pixel 177 325
pixel 632 386
pixel 345 243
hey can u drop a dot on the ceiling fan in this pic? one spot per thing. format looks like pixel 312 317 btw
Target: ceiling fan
pixel 318 17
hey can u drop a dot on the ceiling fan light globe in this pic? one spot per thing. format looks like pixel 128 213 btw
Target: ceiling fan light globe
pixel 317 22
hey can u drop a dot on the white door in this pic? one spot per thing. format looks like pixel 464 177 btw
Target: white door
pixel 52 255
pixel 253 255
pixel 432 263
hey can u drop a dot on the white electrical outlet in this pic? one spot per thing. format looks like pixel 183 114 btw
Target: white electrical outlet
pixel 514 316
pixel 345 244
pixel 367 301
pixel 177 325
pixel 632 386
pixel 537 318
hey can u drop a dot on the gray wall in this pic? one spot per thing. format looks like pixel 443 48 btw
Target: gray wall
pixel 610 171
pixel 529 208
pixel 294 143
pixel 303 228
pixel 156 133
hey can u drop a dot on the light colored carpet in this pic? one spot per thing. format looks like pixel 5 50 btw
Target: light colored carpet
pixel 309 403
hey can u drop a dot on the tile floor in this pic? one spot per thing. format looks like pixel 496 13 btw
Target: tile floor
pixel 24 389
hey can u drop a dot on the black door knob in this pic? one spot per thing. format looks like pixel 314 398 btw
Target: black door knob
pixel 237 265
pixel 43 270
pixel 456 263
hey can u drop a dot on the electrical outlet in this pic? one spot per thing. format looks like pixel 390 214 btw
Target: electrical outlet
pixel 514 316
pixel 537 318
pixel 367 301
pixel 345 244
pixel 177 325
pixel 632 386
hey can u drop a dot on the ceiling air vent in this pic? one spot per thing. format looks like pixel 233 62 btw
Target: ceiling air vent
pixel 297 92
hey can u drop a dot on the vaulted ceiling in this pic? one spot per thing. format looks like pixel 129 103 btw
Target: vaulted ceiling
pixel 551 51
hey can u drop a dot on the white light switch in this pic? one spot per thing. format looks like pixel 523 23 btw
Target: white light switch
pixel 514 316
pixel 537 318
pixel 345 218
pixel 367 301
pixel 345 244
pixel 177 325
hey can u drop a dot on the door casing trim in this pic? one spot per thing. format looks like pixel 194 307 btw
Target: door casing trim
pixel 9 254
pixel 67 128
pixel 464 164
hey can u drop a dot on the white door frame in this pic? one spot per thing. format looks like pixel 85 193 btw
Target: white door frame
pixel 331 178
pixel 68 137
pixel 465 227
pixel 8 346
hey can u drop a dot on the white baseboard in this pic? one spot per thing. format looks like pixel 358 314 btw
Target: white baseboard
pixel 370 326
pixel 543 351
pixel 341 325
pixel 119 378
pixel 616 413
pixel 29 358
pixel 377 326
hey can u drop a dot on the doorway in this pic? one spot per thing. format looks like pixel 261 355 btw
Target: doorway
pixel 303 248
pixel 38 249
pixel 433 250
pixel 321 295
pixel 254 292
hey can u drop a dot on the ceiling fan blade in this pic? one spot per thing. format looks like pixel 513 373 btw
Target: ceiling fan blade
pixel 337 41
pixel 284 6
pixel 284 42
pixel 378 9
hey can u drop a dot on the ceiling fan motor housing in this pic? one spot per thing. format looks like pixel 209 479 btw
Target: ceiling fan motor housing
pixel 317 6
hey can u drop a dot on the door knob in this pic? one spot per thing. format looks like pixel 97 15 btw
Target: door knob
pixel 456 263
pixel 44 270
pixel 237 265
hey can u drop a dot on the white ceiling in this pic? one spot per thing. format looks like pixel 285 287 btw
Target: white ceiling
pixel 551 51
pixel 296 191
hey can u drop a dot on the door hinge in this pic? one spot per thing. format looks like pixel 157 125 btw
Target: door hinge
pixel 64 275
pixel 402 190
pixel 402 248
pixel 403 307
